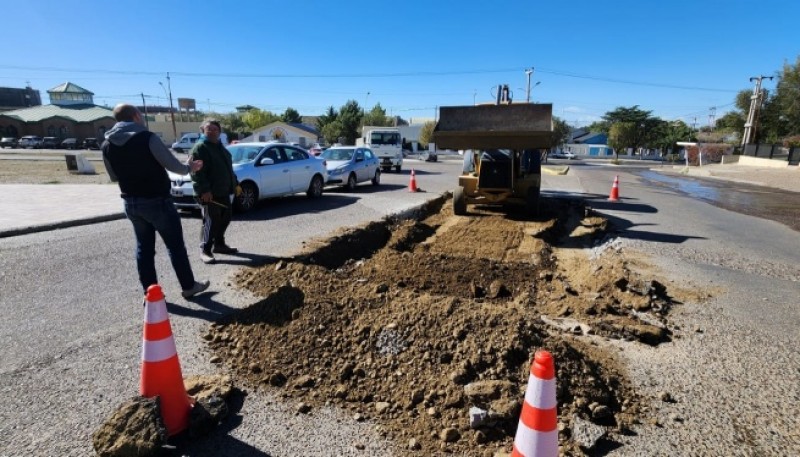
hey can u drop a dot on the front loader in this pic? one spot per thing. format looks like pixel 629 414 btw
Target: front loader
pixel 503 145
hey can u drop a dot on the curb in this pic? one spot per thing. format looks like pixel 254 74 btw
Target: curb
pixel 60 225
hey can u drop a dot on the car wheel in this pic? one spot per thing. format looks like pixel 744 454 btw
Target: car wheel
pixel 398 168
pixel 315 188
pixel 376 180
pixel 459 201
pixel 248 198
pixel 351 182
pixel 386 168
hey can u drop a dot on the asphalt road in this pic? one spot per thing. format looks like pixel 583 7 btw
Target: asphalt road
pixel 72 329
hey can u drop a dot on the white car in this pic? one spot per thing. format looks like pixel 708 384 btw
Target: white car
pixel 563 155
pixel 350 165
pixel 264 170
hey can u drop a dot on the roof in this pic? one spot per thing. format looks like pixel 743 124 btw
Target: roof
pixel 304 127
pixel 77 113
pixel 70 88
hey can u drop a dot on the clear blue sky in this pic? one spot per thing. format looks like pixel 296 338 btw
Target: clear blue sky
pixel 677 58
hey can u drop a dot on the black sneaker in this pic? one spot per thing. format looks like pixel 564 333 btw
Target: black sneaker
pixel 224 249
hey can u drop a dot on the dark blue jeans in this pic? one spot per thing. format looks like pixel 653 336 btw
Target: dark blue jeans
pixel 151 215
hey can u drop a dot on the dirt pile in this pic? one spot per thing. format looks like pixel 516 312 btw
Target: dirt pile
pixel 411 323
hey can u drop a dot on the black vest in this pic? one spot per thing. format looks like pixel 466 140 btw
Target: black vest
pixel 138 172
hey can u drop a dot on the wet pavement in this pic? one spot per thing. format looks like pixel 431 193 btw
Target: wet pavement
pixel 769 203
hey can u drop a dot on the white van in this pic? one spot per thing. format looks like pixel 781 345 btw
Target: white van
pixel 186 142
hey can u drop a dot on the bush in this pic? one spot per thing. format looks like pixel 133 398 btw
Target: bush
pixel 791 141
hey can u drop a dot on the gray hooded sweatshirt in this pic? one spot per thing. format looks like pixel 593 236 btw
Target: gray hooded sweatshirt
pixel 121 132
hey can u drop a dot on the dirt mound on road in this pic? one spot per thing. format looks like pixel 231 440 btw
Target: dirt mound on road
pixel 410 323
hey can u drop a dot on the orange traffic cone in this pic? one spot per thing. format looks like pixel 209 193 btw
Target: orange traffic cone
pixel 537 432
pixel 161 371
pixel 614 195
pixel 412 184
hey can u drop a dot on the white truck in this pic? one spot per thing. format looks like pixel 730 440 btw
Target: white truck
pixel 386 143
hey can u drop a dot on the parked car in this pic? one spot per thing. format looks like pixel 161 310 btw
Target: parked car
pixel 562 155
pixel 50 142
pixel 30 142
pixel 186 142
pixel 90 143
pixel 70 143
pixel 316 149
pixel 350 165
pixel 264 170
pixel 8 142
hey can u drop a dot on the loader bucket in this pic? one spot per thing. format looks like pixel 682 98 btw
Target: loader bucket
pixel 514 126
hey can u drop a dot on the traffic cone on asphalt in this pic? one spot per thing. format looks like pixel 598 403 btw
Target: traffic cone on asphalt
pixel 614 195
pixel 537 432
pixel 412 184
pixel 161 371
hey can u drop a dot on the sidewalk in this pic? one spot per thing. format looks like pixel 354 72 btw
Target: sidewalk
pixel 28 208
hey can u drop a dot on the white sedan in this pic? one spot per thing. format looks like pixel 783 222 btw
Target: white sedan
pixel 350 165
pixel 264 170
pixel 562 155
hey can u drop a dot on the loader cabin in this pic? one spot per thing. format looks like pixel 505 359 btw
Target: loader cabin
pixel 507 142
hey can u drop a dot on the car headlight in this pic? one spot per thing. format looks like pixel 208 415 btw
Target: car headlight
pixel 337 171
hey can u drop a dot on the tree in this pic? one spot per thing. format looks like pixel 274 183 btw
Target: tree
pixel 732 121
pixel 333 132
pixel 668 134
pixel 350 116
pixel 233 125
pixel 426 132
pixel 377 116
pixel 560 131
pixel 326 118
pixel 622 135
pixel 291 116
pixel 787 99
pixel 256 118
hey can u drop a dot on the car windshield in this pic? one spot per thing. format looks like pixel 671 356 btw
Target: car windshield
pixel 337 154
pixel 244 153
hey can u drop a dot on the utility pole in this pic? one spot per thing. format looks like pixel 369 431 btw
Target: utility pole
pixel 752 116
pixel 711 117
pixel 528 72
pixel 144 105
pixel 171 109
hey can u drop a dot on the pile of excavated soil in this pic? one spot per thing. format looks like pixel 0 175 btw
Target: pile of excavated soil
pixel 410 323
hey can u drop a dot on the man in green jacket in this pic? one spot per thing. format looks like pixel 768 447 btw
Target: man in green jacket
pixel 215 185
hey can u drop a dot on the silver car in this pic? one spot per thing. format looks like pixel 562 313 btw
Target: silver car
pixel 264 170
pixel 350 165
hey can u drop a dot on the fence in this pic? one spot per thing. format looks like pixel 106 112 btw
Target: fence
pixel 773 151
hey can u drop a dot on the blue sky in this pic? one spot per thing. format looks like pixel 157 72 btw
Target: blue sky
pixel 678 58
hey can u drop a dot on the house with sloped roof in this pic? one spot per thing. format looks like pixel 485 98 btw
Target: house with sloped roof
pixel 70 114
pixel 302 134
pixel 583 142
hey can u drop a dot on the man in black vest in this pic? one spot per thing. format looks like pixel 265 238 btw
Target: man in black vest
pixel 136 159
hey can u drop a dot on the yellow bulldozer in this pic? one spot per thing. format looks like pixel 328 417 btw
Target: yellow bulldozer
pixel 503 145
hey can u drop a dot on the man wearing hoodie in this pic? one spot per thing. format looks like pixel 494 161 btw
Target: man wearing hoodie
pixel 136 159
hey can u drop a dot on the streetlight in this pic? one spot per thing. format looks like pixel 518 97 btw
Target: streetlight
pixel 171 110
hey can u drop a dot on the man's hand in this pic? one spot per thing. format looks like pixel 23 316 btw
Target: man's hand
pixel 206 197
pixel 195 165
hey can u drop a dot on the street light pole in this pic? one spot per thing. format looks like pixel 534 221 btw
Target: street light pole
pixel 171 109
pixel 528 72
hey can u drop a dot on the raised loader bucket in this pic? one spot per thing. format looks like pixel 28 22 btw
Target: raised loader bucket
pixel 503 126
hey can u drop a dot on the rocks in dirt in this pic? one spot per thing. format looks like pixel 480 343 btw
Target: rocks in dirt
pixel 135 429
pixel 566 325
pixel 303 408
pixel 486 391
pixel 586 434
pixel 477 417
pixel 449 435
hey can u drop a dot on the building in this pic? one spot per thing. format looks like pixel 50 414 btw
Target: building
pixel 12 98
pixel 585 143
pixel 302 134
pixel 70 114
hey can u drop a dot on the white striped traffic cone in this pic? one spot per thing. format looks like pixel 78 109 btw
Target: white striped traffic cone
pixel 537 432
pixel 161 370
